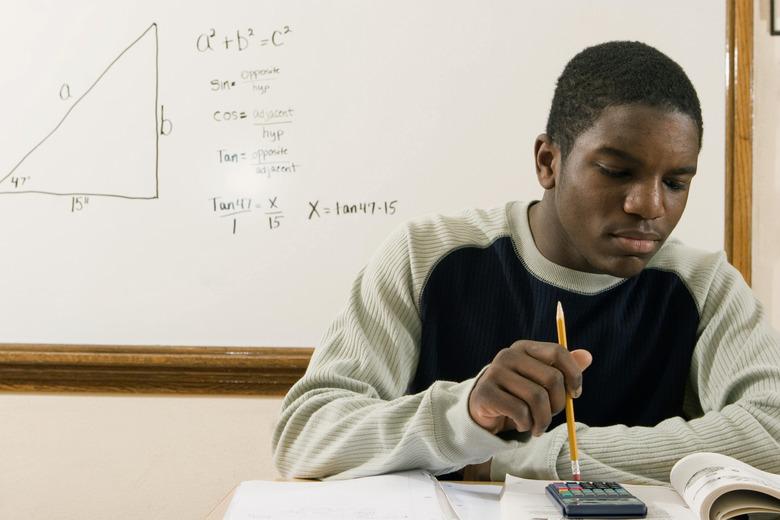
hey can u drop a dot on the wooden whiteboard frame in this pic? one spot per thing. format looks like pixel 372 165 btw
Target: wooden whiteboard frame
pixel 270 371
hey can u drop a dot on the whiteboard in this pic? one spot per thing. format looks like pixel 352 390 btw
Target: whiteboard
pixel 193 173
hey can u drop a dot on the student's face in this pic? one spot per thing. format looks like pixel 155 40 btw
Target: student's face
pixel 619 194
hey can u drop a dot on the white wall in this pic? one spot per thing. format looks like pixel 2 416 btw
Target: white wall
pixel 766 164
pixel 66 457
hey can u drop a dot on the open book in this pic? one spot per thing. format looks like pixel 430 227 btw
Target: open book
pixel 720 487
pixel 705 486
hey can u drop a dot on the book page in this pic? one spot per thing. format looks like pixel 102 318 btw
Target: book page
pixel 736 503
pixel 720 487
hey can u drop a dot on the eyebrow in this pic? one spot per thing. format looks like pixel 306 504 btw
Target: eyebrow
pixel 626 156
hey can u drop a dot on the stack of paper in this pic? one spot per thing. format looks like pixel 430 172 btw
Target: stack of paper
pixel 413 495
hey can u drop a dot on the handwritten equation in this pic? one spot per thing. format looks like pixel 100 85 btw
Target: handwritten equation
pixel 271 208
pixel 240 40
pixel 361 208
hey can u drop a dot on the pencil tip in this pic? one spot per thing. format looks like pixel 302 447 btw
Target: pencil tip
pixel 560 310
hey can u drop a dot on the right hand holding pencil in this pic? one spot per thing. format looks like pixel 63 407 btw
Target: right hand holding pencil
pixel 526 385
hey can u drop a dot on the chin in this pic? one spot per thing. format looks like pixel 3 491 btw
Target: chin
pixel 626 267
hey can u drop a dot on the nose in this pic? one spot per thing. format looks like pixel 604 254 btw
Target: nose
pixel 645 199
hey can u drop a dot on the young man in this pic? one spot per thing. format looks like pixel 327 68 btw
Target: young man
pixel 446 357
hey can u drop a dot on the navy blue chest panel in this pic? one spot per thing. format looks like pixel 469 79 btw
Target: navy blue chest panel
pixel 641 333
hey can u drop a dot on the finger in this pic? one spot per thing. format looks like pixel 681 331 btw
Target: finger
pixel 541 363
pixel 494 407
pixel 565 361
pixel 529 396
pixel 494 415
pixel 530 407
pixel 540 386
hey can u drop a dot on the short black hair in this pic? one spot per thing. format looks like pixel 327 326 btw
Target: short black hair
pixel 613 74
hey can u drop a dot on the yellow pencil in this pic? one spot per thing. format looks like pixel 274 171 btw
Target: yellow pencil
pixel 575 458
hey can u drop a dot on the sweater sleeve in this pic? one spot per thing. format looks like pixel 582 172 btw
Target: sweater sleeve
pixel 732 404
pixel 349 415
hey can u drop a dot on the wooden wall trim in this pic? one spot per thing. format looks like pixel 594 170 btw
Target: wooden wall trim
pixel 271 371
pixel 144 369
pixel 739 136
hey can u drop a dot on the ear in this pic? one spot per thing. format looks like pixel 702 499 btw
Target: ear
pixel 548 160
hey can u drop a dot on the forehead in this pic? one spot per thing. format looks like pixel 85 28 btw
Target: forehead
pixel 643 129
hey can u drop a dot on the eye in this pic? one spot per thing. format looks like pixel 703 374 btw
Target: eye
pixel 675 185
pixel 611 172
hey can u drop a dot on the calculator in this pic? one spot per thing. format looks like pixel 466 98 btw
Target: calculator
pixel 595 500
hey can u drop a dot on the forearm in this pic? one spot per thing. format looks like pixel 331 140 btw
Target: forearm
pixel 747 431
pixel 344 434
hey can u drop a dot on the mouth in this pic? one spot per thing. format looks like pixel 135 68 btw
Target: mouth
pixel 636 243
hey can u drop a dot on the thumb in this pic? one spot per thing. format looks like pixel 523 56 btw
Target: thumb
pixel 583 360
pixel 582 357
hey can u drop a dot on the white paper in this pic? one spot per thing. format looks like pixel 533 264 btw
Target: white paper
pixel 474 501
pixel 409 495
